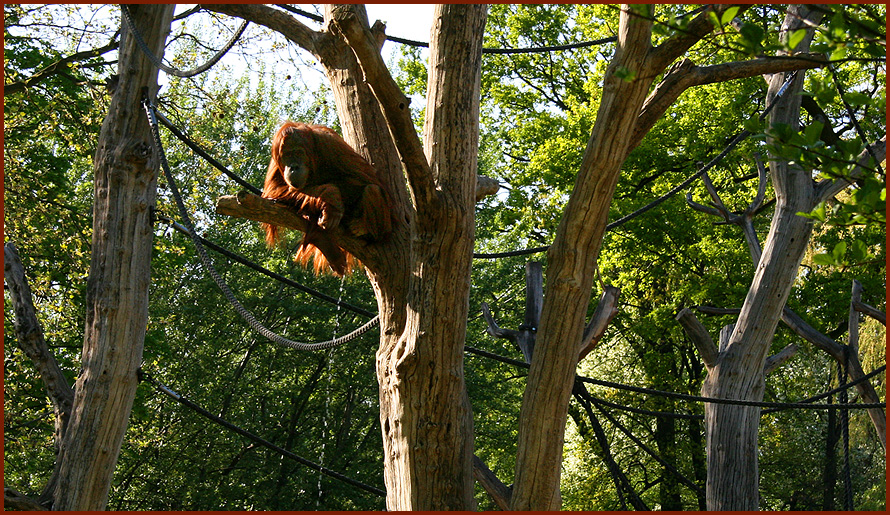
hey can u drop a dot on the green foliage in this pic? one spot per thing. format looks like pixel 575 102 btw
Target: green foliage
pixel 49 134
pixel 319 405
pixel 537 114
pixel 538 110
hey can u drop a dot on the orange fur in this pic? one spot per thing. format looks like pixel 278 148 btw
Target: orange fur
pixel 339 187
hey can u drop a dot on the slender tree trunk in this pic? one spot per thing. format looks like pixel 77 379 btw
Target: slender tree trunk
pixel 739 369
pixel 829 463
pixel 571 259
pixel 117 287
pixel 665 438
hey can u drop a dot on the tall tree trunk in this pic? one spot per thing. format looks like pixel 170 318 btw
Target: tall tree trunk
pixel 117 288
pixel 829 463
pixel 738 372
pixel 665 439
pixel 424 409
pixel 572 258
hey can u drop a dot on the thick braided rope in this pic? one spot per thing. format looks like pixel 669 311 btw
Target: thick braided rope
pixel 173 71
pixel 208 265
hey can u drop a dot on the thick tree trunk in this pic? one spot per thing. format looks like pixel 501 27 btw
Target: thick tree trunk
pixel 571 259
pixel 421 276
pixel 738 372
pixel 424 410
pixel 117 287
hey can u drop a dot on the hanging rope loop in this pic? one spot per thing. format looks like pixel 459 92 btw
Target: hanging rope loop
pixel 211 270
pixel 173 71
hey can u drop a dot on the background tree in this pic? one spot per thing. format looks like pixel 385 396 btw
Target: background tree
pixel 230 363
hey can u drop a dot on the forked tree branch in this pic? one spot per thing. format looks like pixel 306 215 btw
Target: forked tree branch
pixel 606 309
pixel 865 309
pixel 684 74
pixel 393 103
pixel 700 337
pixel 671 49
pixel 780 357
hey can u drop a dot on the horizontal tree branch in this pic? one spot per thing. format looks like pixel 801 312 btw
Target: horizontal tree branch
pixel 57 67
pixel 865 309
pixel 274 19
pixel 780 357
pixel 253 207
pixel 15 501
pixel 493 328
pixel 796 324
pixel 485 187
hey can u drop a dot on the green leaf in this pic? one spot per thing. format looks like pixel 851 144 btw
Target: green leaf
pixel 813 133
pixel 754 124
pixel 816 214
pixel 824 259
pixel 752 34
pixel 728 15
pixel 796 37
pixel 857 99
pixel 858 251
pixel 839 251
pixel 839 53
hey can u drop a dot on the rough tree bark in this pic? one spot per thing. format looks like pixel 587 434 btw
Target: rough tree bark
pixel 621 121
pixel 421 276
pixel 425 413
pixel 736 369
pixel 571 261
pixel 117 288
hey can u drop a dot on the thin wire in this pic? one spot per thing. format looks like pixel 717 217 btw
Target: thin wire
pixel 804 404
pixel 422 44
pixel 173 71
pixel 190 143
pixel 643 446
pixel 732 144
pixel 265 443
pixel 265 271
